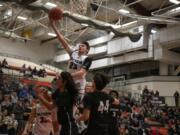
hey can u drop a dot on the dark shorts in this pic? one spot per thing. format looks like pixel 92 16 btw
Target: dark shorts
pixel 96 132
pixel 114 131
pixel 69 129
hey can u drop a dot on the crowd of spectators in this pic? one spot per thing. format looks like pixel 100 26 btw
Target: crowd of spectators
pixel 29 72
pixel 26 70
pixel 15 99
pixel 149 117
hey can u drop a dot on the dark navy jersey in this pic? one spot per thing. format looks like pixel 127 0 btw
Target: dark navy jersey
pixel 114 113
pixel 64 106
pixel 98 103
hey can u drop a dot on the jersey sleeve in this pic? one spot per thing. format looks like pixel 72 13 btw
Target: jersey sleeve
pixel 87 102
pixel 87 63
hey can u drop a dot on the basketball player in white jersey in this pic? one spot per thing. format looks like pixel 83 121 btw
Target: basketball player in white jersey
pixel 79 63
pixel 40 120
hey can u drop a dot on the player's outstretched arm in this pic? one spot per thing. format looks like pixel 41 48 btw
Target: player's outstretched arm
pixel 43 100
pixel 61 38
pixel 84 69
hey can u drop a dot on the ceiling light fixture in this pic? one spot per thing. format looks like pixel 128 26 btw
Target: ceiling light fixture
pixel 124 11
pixel 22 18
pixel 124 25
pixel 52 34
pixel 153 31
pixel 9 13
pixel 141 28
pixel 51 4
pixel 84 24
pixel 174 1
pixel 175 10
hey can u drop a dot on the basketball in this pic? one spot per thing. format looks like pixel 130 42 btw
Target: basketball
pixel 55 14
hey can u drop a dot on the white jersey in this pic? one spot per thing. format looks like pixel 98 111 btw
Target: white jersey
pixel 75 64
pixel 43 123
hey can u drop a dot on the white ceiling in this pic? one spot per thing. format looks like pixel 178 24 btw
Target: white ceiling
pixel 38 26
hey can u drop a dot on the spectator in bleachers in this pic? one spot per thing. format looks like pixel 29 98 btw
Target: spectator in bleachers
pixel 39 73
pixel 152 93
pixel 34 71
pixel 23 69
pixel 157 93
pixel 4 122
pixel 29 72
pixel 24 93
pixel 14 97
pixel 8 123
pixel 14 85
pixel 176 98
pixel 5 84
pixel 145 90
pixel 29 68
pixel 31 90
pixel 27 109
pixel 42 73
pixel 12 125
pixel 19 111
pixel 5 64
pixel 6 103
